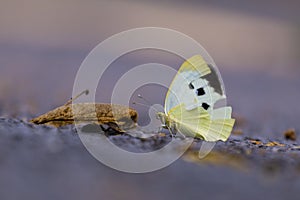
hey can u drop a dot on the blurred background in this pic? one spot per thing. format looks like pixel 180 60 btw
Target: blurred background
pixel 255 45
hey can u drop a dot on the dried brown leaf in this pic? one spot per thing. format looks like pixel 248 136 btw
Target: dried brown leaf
pixel 118 117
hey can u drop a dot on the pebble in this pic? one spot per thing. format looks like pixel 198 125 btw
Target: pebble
pixel 290 134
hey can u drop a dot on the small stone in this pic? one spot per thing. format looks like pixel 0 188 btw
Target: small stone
pixel 237 132
pixel 162 135
pixel 272 144
pixel 256 142
pixel 290 134
pixel 296 148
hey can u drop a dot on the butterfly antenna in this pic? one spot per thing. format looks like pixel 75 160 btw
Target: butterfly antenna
pixel 86 92
pixel 141 104
pixel 141 97
pixel 145 100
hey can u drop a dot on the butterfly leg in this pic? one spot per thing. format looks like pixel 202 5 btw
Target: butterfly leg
pixel 180 135
pixel 159 130
pixel 173 134
pixel 173 130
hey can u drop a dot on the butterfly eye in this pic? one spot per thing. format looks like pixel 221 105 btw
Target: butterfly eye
pixel 191 86
pixel 200 92
pixel 205 106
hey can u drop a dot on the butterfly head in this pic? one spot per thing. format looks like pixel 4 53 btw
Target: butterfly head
pixel 165 121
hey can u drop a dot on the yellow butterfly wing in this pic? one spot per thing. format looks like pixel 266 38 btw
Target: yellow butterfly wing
pixel 190 70
pixel 200 124
pixel 190 103
pixel 189 86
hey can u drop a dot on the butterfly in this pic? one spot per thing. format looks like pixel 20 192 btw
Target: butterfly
pixel 191 103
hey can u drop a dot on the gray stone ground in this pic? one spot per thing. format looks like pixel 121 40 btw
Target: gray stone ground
pixel 40 162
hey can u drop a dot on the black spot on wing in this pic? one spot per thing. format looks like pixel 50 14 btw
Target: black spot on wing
pixel 205 106
pixel 200 92
pixel 191 86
